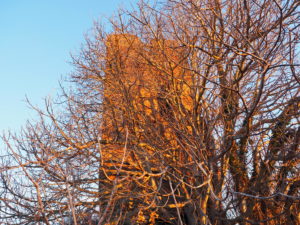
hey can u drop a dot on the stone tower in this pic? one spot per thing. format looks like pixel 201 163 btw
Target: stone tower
pixel 145 83
pixel 138 77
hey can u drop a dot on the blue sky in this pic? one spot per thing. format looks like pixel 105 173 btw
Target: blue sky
pixel 36 39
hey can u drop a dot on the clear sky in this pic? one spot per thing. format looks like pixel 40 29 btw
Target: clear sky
pixel 36 39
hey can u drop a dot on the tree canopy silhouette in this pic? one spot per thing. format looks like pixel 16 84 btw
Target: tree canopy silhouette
pixel 185 112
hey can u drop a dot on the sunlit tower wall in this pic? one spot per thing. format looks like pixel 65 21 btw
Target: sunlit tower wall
pixel 139 79
pixel 146 88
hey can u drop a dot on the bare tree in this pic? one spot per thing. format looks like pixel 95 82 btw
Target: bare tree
pixel 186 113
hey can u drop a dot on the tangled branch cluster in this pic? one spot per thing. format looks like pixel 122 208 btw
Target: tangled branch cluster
pixel 185 113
